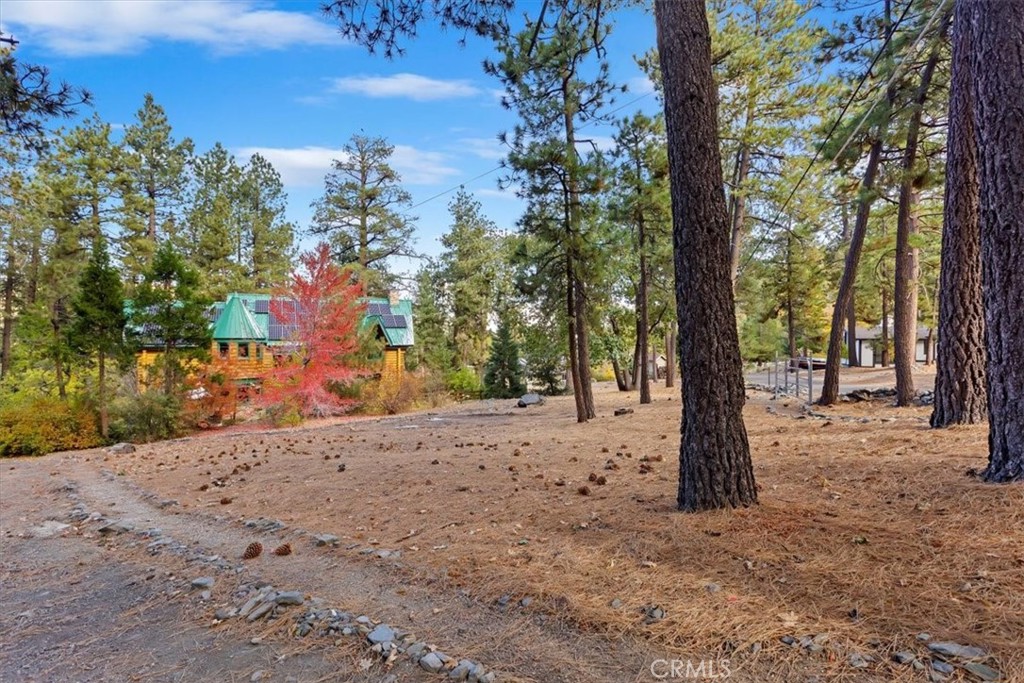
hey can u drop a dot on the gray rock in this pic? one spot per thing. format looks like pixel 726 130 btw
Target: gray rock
pixel 619 412
pixel 526 602
pixel 712 588
pixel 364 620
pixel 415 650
pixel 956 650
pixel 461 670
pixel 942 667
pixel 504 600
pixel 289 598
pixel 431 662
pixel 936 677
pixel 382 634
pixel 261 611
pixel 256 676
pixel 903 657
pixel 788 640
pixel 858 661
pixel 923 636
pixel 116 527
pixel 205 596
pixel 615 604
pixel 985 673
pixel 224 613
pixel 49 529
pixel 326 539
pixel 203 582
pixel 121 449
pixel 477 673
pixel 488 678
pixel 530 399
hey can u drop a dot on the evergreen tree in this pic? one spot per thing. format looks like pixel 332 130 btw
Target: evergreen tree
pixel 504 376
pixel 154 184
pixel 169 310
pixel 99 319
pixel 433 340
pixel 362 211
pixel 265 239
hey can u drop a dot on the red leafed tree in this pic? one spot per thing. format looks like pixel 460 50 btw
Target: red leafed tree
pixel 320 311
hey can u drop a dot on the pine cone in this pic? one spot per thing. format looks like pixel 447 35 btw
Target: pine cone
pixel 252 551
pixel 283 549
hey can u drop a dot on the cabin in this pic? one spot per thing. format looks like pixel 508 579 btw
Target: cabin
pixel 869 340
pixel 250 337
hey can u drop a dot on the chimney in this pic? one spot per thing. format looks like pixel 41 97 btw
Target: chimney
pixel 392 297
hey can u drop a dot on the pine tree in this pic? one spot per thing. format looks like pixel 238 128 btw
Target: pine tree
pixel 504 376
pixel 362 211
pixel 169 310
pixel 265 249
pixel 212 232
pixel 99 318
pixel 433 338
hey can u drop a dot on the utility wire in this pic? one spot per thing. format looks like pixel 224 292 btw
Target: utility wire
pixel 842 113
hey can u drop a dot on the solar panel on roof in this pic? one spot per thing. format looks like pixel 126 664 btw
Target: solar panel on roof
pixel 262 306
pixel 377 309
pixel 393 320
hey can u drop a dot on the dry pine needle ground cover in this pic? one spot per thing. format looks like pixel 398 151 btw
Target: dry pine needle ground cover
pixel 869 532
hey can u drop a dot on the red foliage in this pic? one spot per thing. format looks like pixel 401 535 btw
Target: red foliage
pixel 322 306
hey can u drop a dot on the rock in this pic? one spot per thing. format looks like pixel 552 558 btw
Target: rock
pixel 264 524
pixel 224 613
pixel 121 449
pixel 415 650
pixel 382 634
pixel 903 657
pixel 956 650
pixel 788 640
pixel 49 529
pixel 530 399
pixel 289 598
pixel 462 670
pixel 923 637
pixel 858 661
pixel 256 676
pixel 363 619
pixel 205 596
pixel 985 673
pixel 526 602
pixel 203 582
pixel 431 662
pixel 504 600
pixel 942 667
pixel 261 611
pixel 712 588
pixel 615 604
pixel 477 674
pixel 623 411
pixel 326 539
pixel 653 613
pixel 936 677
pixel 116 527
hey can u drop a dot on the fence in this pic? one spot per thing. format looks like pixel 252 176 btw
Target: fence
pixel 801 384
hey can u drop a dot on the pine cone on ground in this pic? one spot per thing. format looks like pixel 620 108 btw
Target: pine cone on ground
pixel 253 550
pixel 283 549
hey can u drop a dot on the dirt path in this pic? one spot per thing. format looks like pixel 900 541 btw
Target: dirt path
pixel 81 606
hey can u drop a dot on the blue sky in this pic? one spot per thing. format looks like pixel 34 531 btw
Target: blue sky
pixel 275 77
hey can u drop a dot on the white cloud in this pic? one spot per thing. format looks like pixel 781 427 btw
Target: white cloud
pixel 640 85
pixel 105 27
pixel 410 86
pixel 307 166
pixel 484 148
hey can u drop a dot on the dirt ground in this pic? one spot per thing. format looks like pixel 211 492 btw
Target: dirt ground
pixel 869 532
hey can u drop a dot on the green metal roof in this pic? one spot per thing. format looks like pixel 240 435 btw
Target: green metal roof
pixel 236 323
pixel 396 323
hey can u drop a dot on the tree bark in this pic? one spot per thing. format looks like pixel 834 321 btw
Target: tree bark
pixel 830 383
pixel 643 322
pixel 885 327
pixel 960 357
pixel 10 272
pixel 739 206
pixel 851 310
pixel 715 469
pixel 907 268
pixel 998 67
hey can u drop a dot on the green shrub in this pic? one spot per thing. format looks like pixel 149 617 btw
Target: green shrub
pixel 284 415
pixel 149 416
pixel 43 425
pixel 464 383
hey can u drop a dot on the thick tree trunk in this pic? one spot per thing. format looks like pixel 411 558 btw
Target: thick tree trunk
pixel 583 335
pixel 998 67
pixel 574 356
pixel 907 269
pixel 621 380
pixel 634 373
pixel 851 310
pixel 670 356
pixel 715 469
pixel 960 363
pixel 830 383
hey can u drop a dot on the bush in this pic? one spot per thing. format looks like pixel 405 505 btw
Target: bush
pixel 284 415
pixel 44 425
pixel 464 383
pixel 149 416
pixel 392 396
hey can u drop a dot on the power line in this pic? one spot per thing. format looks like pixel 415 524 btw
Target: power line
pixel 846 107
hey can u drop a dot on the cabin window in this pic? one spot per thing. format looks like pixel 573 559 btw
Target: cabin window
pixel 222 350
pixel 243 350
pixel 259 352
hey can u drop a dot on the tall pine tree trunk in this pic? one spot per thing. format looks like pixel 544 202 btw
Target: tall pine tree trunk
pixel 851 310
pixel 960 357
pixel 670 356
pixel 885 327
pixel 715 469
pixel 907 269
pixel 830 383
pixel 643 326
pixel 998 66
pixel 739 206
pixel 10 273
